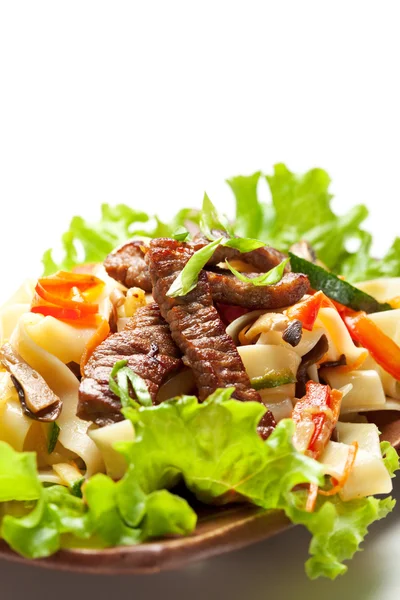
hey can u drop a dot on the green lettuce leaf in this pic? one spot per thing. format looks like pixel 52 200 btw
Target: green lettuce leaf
pixel 18 475
pixel 300 209
pixel 338 528
pixel 86 242
pixel 361 266
pixel 110 514
pixel 38 533
pixel 390 458
pixel 249 211
pixel 215 449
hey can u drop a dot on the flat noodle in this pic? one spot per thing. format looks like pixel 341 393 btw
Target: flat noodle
pixel 17 305
pixel 383 289
pixel 63 340
pixel 339 338
pixel 73 431
pixel 366 388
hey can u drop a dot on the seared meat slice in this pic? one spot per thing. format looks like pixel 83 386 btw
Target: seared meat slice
pixel 126 264
pixel 226 288
pixel 195 324
pixel 147 345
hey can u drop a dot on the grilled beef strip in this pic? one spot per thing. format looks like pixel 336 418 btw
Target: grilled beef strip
pixel 198 330
pixel 225 287
pixel 126 264
pixel 151 353
pixel 195 324
pixel 228 289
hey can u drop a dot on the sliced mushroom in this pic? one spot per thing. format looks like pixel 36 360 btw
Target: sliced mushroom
pixel 37 399
pixel 293 332
pixel 342 361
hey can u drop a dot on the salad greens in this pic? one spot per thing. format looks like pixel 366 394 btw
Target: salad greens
pixel 300 208
pixel 52 437
pixel 187 279
pixel 120 378
pixel 215 449
pixel 211 223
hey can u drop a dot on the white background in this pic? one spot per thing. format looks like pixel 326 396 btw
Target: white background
pixel 150 103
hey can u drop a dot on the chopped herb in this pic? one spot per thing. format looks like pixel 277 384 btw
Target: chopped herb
pixel 119 380
pixel 52 436
pixel 243 244
pixel 212 224
pixel 181 234
pixel 187 278
pixel 271 278
pixel 76 487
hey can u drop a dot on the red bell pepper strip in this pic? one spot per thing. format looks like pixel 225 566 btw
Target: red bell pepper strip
pixel 59 299
pixel 57 311
pixel 229 313
pixel 317 412
pixel 307 310
pixel 381 347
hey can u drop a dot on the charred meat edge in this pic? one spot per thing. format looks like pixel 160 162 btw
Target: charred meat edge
pixel 38 401
pixel 126 264
pixel 147 345
pixel 197 328
pixel 225 287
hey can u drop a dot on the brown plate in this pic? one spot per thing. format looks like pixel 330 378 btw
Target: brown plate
pixel 219 530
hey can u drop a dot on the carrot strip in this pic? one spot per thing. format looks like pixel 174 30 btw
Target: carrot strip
pixel 57 300
pixel 312 497
pixel 381 347
pixel 99 336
